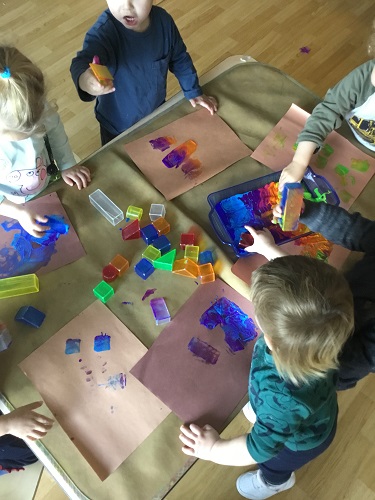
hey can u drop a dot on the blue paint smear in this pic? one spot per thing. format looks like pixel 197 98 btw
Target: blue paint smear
pixel 73 346
pixel 204 351
pixel 102 343
pixel 238 328
pixel 28 254
pixel 117 381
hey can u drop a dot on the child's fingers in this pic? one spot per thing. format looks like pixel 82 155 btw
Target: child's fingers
pixel 187 432
pixel 196 430
pixel 41 218
pixel 251 230
pixel 187 441
pixel 188 451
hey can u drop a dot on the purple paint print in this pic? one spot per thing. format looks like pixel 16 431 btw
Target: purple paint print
pixel 130 303
pixel 102 342
pixel 117 381
pixel 72 346
pixel 149 292
pixel 204 351
pixel 304 50
pixel 192 168
pixel 179 154
pixel 238 328
pixel 162 143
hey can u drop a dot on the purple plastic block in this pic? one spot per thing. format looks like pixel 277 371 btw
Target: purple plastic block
pixel 30 316
pixel 149 234
pixel 202 350
pixel 160 310
pixel 162 243
pixel 144 268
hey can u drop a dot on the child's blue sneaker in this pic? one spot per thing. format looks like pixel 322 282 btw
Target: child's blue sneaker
pixel 251 485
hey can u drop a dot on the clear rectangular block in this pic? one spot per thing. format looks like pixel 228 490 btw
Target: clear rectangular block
pixel 106 207
pixel 19 285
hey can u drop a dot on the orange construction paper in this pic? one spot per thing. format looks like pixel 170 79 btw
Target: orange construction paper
pixel 345 167
pixel 105 421
pixel 218 147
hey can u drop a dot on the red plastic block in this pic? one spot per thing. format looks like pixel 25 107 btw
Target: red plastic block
pixel 109 273
pixel 187 239
pixel 132 231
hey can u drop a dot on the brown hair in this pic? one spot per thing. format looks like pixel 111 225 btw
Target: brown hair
pixel 22 94
pixel 305 307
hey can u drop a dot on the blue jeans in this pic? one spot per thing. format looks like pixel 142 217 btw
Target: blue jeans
pixel 278 469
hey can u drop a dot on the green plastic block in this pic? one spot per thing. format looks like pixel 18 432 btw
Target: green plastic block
pixel 192 252
pixel 151 253
pixel 166 261
pixel 103 291
pixel 19 285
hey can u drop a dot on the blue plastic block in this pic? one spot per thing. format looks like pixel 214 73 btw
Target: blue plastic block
pixel 149 234
pixel 162 243
pixel 144 268
pixel 30 316
pixel 206 257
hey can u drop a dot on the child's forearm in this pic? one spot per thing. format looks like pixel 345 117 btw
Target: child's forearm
pixel 231 452
pixel 303 154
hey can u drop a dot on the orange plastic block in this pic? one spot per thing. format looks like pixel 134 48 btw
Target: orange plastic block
pixel 161 225
pixel 186 267
pixel 120 263
pixel 206 273
pixel 102 73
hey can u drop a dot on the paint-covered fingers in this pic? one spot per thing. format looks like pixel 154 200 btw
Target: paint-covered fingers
pixel 292 173
pixel 31 223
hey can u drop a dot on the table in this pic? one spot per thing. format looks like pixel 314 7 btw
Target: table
pixel 252 98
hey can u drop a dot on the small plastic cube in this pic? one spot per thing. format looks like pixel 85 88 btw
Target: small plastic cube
pixel 103 291
pixel 187 239
pixel 156 211
pixel 109 273
pixel 132 231
pixel 162 243
pixel 206 273
pixel 185 267
pixel 144 268
pixel 192 252
pixel 206 257
pixel 151 253
pixel 149 234
pixel 161 225
pixel 160 311
pixel 30 316
pixel 134 212
pixel 120 263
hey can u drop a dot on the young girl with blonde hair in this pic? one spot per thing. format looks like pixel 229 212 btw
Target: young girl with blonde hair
pixel 32 136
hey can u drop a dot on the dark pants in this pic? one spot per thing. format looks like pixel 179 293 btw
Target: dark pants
pixel 14 453
pixel 105 135
pixel 278 469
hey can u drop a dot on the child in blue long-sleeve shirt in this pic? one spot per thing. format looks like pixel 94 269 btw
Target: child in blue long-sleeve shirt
pixel 138 43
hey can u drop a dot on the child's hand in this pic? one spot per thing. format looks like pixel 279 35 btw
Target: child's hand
pixel 264 244
pixel 198 441
pixel 26 423
pixel 292 173
pixel 205 101
pixel 77 175
pixel 88 83
pixel 29 220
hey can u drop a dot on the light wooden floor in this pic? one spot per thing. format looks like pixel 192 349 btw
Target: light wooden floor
pixel 271 31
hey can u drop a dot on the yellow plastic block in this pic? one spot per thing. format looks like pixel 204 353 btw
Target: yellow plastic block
pixel 120 263
pixel 192 252
pixel 186 267
pixel 206 273
pixel 161 225
pixel 102 73
pixel 19 285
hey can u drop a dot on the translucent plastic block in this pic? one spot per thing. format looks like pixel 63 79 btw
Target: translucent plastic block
pixel 166 261
pixel 134 212
pixel 30 316
pixel 206 257
pixel 206 273
pixel 149 234
pixel 144 268
pixel 5 337
pixel 186 267
pixel 131 231
pixel 151 253
pixel 109 273
pixel 162 243
pixel 103 291
pixel 102 73
pixel 160 311
pixel 187 239
pixel 120 263
pixel 106 207
pixel 156 211
pixel 19 285
pixel 161 225
pixel 192 252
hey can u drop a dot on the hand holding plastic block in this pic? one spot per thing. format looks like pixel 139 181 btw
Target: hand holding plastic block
pixel 30 316
pixel 291 206
pixel 179 154
pixel 156 211
pixel 19 285
pixel 101 73
pixel 160 311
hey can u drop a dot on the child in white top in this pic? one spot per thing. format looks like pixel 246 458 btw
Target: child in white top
pixel 27 124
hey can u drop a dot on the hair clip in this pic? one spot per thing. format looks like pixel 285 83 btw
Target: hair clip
pixel 6 73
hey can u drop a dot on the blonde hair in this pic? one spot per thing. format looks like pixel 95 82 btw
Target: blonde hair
pixel 22 95
pixel 305 307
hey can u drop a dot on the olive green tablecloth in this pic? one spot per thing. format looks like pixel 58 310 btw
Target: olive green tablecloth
pixel 252 98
